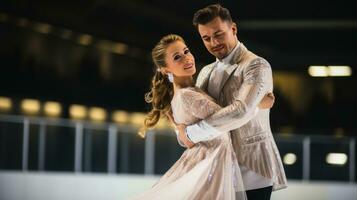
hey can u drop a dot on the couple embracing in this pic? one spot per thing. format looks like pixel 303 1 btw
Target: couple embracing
pixel 222 118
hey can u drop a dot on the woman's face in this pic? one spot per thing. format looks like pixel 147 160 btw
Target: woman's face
pixel 179 60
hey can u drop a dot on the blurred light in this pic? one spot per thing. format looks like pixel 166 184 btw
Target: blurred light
pixel 340 71
pixel 318 71
pixel 324 71
pixel 286 130
pixel 3 17
pixel 85 39
pixel 336 158
pixel 22 22
pixel 339 132
pixel 119 48
pixel 97 114
pixel 5 104
pixel 52 108
pixel 120 116
pixel 163 124
pixel 289 159
pixel 66 34
pixel 77 111
pixel 30 106
pixel 105 45
pixel 137 118
pixel 43 28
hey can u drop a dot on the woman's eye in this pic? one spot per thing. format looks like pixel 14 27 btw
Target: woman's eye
pixel 187 51
pixel 177 57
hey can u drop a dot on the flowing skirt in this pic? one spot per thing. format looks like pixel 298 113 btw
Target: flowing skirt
pixel 207 171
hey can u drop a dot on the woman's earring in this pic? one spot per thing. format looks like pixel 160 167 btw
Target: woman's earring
pixel 170 76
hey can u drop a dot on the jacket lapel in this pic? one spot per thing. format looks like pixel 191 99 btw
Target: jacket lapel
pixel 233 65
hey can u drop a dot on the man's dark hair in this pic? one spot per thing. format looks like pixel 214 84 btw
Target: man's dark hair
pixel 207 14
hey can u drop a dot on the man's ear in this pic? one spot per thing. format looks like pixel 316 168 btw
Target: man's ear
pixel 234 28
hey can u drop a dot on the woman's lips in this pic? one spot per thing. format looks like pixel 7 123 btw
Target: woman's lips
pixel 188 66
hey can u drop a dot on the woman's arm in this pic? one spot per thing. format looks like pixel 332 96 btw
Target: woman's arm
pixel 257 82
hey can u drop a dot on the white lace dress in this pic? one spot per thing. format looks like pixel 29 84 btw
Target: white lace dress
pixel 207 171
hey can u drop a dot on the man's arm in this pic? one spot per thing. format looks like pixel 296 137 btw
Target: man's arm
pixel 256 83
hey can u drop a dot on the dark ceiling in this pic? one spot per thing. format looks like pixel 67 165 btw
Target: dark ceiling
pixel 289 33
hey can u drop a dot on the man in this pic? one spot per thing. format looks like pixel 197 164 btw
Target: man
pixel 238 80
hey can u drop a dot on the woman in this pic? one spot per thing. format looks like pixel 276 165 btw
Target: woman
pixel 208 170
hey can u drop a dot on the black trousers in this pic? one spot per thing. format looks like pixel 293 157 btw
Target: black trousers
pixel 260 194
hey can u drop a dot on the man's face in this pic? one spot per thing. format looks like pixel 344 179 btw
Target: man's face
pixel 219 37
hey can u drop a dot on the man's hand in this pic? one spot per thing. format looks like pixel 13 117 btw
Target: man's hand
pixel 181 128
pixel 267 102
pixel 183 136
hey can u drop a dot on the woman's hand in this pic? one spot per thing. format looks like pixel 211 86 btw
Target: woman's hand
pixel 267 102
pixel 181 128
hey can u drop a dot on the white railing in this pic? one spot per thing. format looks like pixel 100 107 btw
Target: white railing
pixel 113 130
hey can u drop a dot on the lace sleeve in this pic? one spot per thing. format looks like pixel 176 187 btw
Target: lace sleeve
pixel 257 82
pixel 197 104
